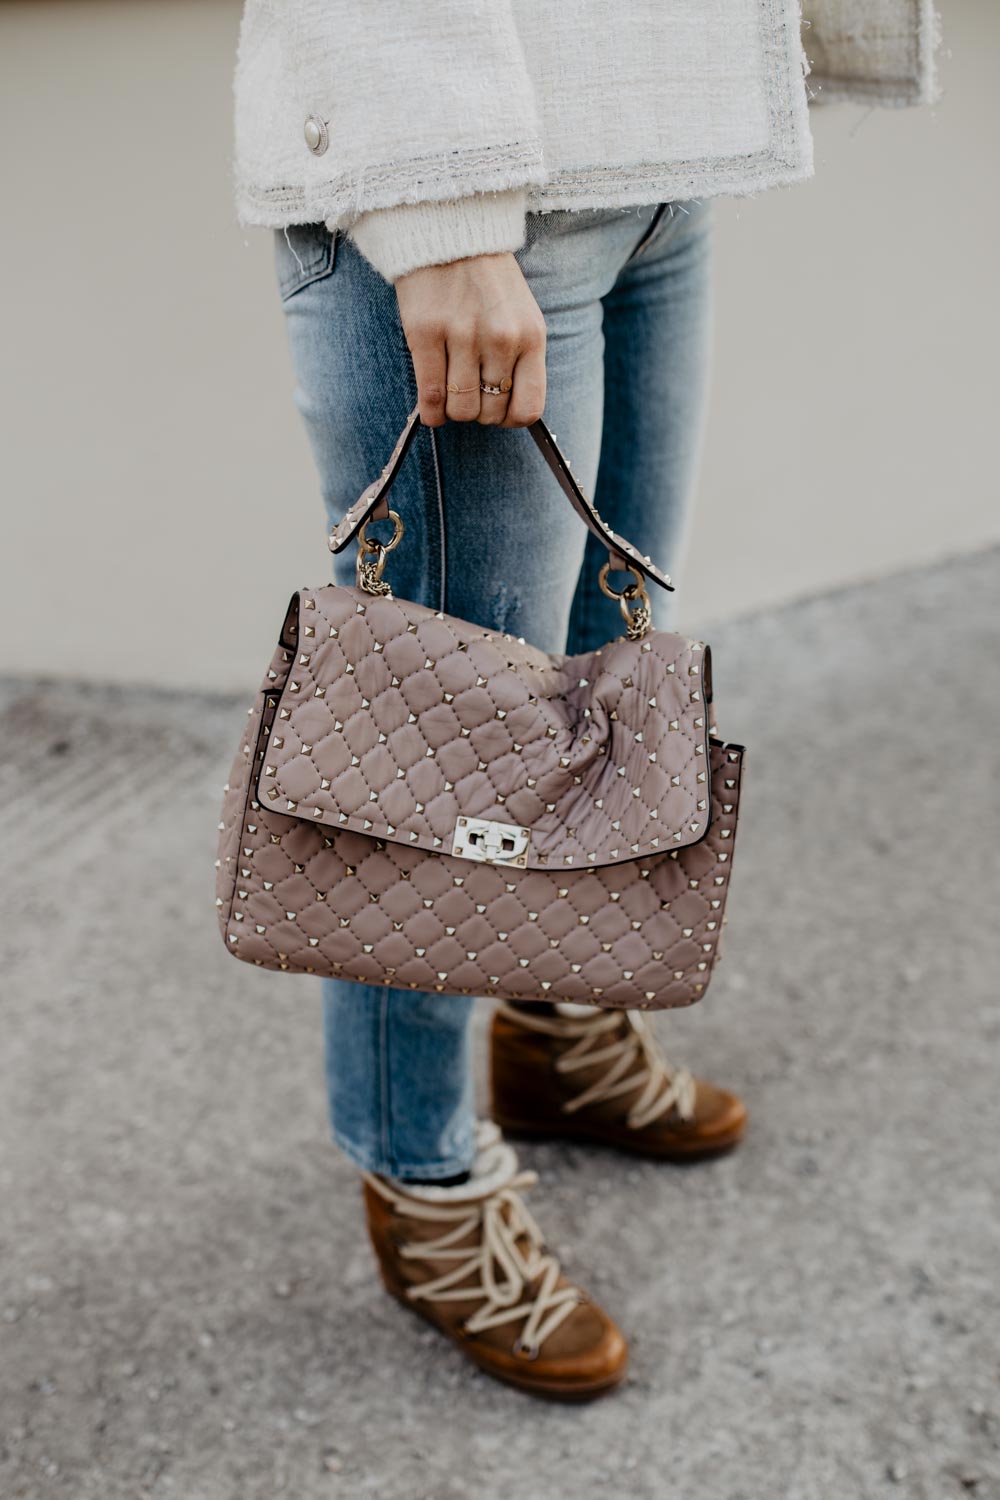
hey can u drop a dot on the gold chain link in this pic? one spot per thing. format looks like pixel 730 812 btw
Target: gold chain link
pixel 638 620
pixel 372 555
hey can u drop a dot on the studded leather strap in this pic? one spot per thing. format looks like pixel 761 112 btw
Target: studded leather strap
pixel 372 504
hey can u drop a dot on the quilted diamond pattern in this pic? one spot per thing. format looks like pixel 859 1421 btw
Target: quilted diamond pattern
pixel 324 895
pixel 396 720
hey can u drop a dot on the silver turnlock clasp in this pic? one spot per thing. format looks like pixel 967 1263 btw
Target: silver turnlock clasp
pixel 491 843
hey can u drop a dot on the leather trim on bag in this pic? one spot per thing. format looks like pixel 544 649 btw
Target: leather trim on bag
pixel 372 504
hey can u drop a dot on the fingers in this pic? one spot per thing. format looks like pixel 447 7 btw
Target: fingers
pixel 430 368
pixel 527 399
pixel 463 393
pixel 470 321
pixel 448 380
pixel 499 344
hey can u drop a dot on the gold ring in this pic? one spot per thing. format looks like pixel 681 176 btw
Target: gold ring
pixel 631 590
pixel 371 544
pixel 461 390
pixel 488 389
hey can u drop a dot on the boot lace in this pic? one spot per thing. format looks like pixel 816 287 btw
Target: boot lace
pixel 625 1041
pixel 507 1266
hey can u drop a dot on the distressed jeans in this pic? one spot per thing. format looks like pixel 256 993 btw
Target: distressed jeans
pixel 490 538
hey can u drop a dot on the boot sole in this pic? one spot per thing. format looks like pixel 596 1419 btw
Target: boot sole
pixel 551 1390
pixel 681 1156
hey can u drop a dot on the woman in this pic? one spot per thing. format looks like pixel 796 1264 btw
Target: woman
pixel 486 209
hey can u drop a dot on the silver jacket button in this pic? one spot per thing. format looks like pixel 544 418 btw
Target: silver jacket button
pixel 316 134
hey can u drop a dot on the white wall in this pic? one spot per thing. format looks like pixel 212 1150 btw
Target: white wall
pixel 149 442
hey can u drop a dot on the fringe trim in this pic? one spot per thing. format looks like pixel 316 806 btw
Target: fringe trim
pixel 580 188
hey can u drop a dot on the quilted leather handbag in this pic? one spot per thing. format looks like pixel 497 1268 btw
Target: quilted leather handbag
pixel 424 803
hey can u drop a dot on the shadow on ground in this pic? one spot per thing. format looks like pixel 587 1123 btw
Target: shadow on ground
pixel 189 1306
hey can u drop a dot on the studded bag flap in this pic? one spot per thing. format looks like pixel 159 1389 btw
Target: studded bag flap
pixel 424 803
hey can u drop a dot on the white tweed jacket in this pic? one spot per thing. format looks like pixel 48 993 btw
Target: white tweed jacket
pixel 428 128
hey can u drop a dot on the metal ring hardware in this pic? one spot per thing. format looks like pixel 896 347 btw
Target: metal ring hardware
pixel 372 554
pixel 639 619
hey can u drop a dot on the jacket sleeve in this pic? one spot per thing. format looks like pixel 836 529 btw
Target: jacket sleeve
pixel 871 51
pixel 430 133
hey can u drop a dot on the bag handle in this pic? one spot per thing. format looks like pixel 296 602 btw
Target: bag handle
pixel 372 504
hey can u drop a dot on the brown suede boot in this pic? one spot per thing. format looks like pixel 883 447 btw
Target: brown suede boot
pixel 471 1261
pixel 601 1077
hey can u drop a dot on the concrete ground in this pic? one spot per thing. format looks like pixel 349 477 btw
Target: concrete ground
pixel 189 1307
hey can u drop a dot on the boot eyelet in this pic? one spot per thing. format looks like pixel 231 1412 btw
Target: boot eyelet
pixel 525 1351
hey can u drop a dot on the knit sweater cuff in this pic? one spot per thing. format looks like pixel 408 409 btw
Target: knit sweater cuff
pixel 401 239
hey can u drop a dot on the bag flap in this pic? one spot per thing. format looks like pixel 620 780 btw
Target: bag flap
pixel 409 725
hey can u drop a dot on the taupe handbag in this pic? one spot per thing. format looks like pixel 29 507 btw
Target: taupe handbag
pixel 423 803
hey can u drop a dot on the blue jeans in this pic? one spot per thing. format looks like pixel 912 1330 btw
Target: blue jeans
pixel 490 538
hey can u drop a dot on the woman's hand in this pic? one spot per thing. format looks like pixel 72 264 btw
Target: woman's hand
pixel 470 321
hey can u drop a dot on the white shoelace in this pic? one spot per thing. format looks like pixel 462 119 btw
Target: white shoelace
pixel 623 1040
pixel 507 1257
